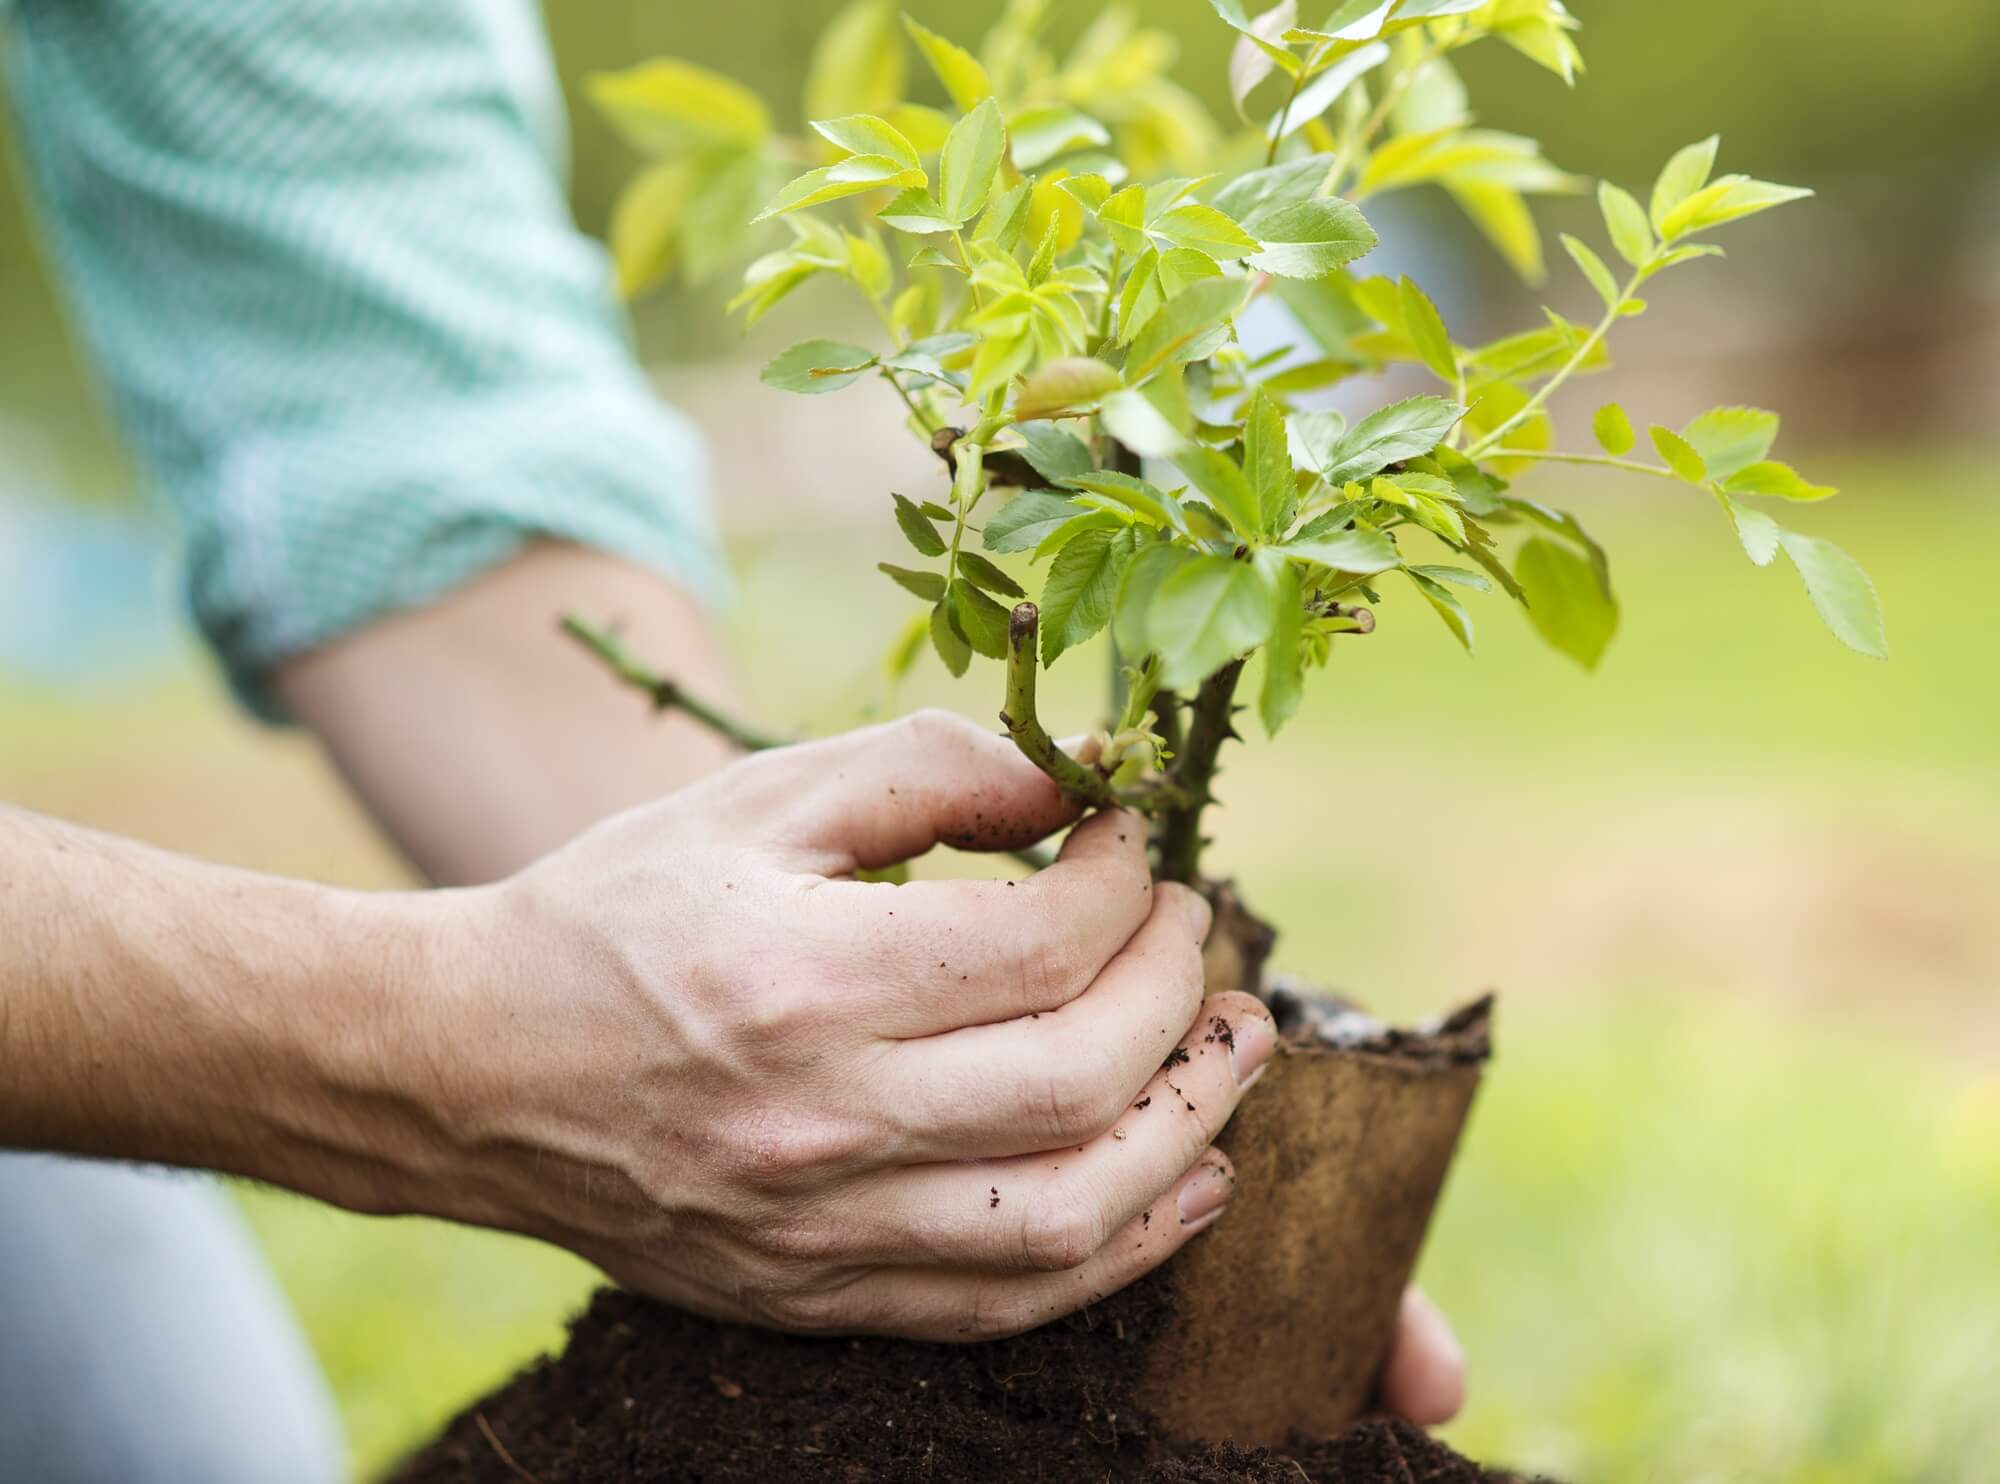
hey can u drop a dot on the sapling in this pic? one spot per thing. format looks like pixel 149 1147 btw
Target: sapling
pixel 1058 260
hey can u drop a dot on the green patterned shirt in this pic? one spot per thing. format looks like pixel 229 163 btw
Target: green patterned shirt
pixel 320 254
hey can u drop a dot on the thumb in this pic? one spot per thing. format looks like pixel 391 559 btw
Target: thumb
pixel 871 798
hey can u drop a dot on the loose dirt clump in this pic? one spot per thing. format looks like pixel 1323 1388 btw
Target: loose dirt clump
pixel 648 1395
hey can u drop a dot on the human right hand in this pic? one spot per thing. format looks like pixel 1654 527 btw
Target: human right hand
pixel 693 1048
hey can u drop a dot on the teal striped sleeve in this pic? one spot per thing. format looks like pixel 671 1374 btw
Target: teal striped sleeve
pixel 321 257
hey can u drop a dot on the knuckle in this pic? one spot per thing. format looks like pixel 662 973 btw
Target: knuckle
pixel 775 1151
pixel 1079 1097
pixel 811 1310
pixel 1061 1234
pixel 993 1312
pixel 935 726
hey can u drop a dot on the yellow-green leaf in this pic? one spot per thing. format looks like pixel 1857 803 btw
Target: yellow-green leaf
pixel 1626 220
pixel 960 72
pixel 1613 430
pixel 669 106
pixel 1426 329
pixel 858 65
pixel 1680 455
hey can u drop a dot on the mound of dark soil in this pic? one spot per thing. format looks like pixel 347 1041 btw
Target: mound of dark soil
pixel 648 1395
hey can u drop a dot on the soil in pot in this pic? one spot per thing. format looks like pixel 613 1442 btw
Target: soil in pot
pixel 645 1394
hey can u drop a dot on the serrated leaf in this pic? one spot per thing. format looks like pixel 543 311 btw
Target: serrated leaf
pixel 1568 606
pixel 917 529
pixel 1267 462
pixel 1680 455
pixel 1257 193
pixel 1284 681
pixel 1403 430
pixel 1613 430
pixel 960 72
pixel 1046 131
pixel 851 177
pixel 1592 267
pixel 1779 481
pixel 1131 418
pixel 1841 591
pixel 1081 589
pixel 1456 576
pixel 949 643
pixel 1320 94
pixel 1426 329
pixel 1028 519
pixel 1145 499
pixel 983 575
pixel 1228 489
pixel 1205 230
pixel 1059 386
pixel 864 134
pixel 926 585
pixel 1445 604
pixel 1759 534
pixel 1731 439
pixel 1143 578
pixel 1312 239
pixel 1055 453
pixel 1363 551
pixel 817 366
pixel 1686 173
pixel 1183 325
pixel 1006 218
pixel 916 211
pixel 1730 199
pixel 1204 615
pixel 982 621
pixel 970 161
pixel 1626 220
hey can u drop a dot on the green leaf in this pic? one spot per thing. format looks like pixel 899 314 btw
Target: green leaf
pixel 1132 418
pixel 1142 581
pixel 668 107
pixel 1028 519
pixel 919 531
pixel 982 574
pixel 1046 131
pixel 1317 96
pixel 1680 455
pixel 1217 476
pixel 1613 430
pixel 963 78
pixel 1403 430
pixel 1284 680
pixel 646 226
pixel 1124 217
pixel 1151 503
pixel 1731 439
pixel 1055 453
pixel 1566 603
pixel 1060 386
pixel 1841 592
pixel 1081 589
pixel 1626 220
pixel 864 134
pixel 1501 213
pixel 1446 604
pixel 851 177
pixel 1781 481
pixel 948 641
pixel 1252 196
pixel 1457 576
pixel 1183 326
pixel 1730 199
pixel 1362 551
pixel 1206 230
pixel 857 67
pixel 970 160
pixel 916 210
pixel 1267 461
pixel 926 585
pixel 1759 534
pixel 1686 173
pixel 816 366
pixel 1593 269
pixel 1204 615
pixel 982 621
pixel 1425 327
pixel 1006 219
pixel 1311 239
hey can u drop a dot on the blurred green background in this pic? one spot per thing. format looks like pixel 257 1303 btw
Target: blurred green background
pixel 1729 1204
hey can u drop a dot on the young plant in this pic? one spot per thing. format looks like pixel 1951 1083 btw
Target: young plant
pixel 1058 262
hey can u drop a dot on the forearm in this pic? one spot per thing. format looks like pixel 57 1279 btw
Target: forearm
pixel 157 1008
pixel 481 738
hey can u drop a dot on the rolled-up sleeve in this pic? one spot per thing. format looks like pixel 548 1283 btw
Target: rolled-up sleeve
pixel 320 254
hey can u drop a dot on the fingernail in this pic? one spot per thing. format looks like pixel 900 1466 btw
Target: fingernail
pixel 1256 1038
pixel 1206 1192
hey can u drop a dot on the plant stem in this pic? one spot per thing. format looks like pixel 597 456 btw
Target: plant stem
pixel 1212 724
pixel 1024 724
pixel 1599 461
pixel 1549 388
pixel 1285 113
pixel 917 412
pixel 665 694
